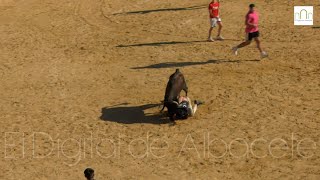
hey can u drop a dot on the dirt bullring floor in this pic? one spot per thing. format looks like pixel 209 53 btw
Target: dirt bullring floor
pixel 81 82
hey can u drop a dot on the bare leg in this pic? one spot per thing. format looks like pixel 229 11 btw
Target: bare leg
pixel 258 44
pixel 246 43
pixel 195 107
pixel 220 27
pixel 210 31
pixel 263 53
pixel 235 49
pixel 191 110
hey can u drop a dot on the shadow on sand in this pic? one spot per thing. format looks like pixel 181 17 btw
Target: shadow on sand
pixel 169 43
pixel 132 114
pixel 183 64
pixel 160 43
pixel 162 10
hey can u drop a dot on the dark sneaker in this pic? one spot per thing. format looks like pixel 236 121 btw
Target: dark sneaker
pixel 197 102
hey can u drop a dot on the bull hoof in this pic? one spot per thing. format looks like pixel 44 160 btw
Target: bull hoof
pixel 172 123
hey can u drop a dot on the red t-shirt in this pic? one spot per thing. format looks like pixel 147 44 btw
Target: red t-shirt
pixel 213 7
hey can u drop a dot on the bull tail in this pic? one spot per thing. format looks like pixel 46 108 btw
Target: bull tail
pixel 162 108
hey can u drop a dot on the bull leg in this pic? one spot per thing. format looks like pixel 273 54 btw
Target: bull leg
pixel 172 122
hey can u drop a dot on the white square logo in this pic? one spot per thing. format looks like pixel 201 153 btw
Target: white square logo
pixel 303 15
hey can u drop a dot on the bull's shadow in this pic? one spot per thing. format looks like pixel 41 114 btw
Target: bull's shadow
pixel 165 43
pixel 160 43
pixel 184 64
pixel 163 10
pixel 132 114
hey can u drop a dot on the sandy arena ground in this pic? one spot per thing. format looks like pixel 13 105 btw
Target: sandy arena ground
pixel 81 81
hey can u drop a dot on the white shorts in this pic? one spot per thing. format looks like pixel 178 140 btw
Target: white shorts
pixel 213 21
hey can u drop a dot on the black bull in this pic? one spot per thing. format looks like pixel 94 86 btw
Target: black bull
pixel 175 85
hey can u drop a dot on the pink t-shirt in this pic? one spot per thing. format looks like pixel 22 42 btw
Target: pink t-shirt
pixel 252 17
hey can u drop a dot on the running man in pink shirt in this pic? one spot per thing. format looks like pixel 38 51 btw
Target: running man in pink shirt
pixel 252 31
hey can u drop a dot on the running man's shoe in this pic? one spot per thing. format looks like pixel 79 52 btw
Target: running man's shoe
pixel 264 54
pixel 219 38
pixel 235 50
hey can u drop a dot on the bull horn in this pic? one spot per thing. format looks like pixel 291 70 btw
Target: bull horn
pixel 175 102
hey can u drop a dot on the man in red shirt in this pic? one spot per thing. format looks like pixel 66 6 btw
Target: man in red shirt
pixel 252 31
pixel 214 8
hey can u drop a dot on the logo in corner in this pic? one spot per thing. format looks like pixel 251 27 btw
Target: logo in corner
pixel 303 15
